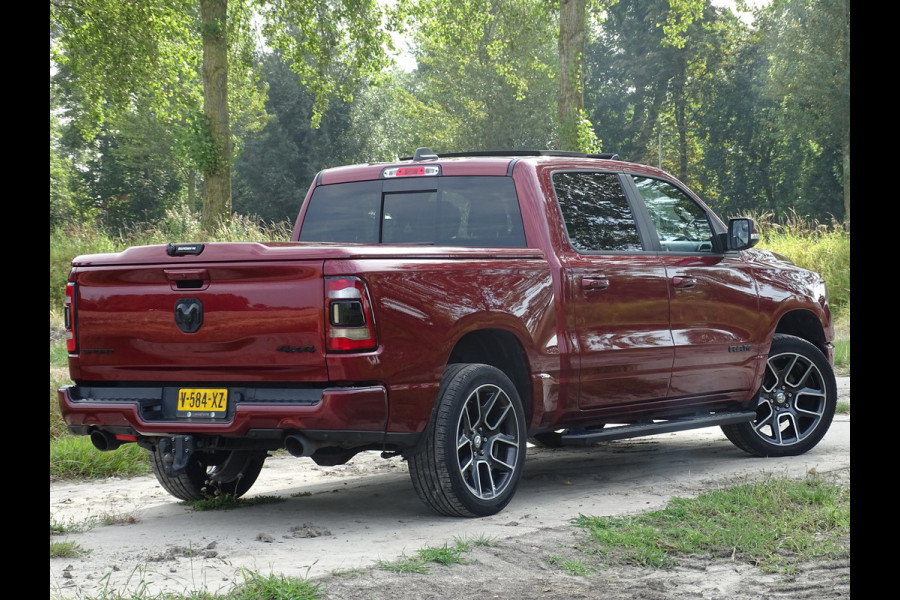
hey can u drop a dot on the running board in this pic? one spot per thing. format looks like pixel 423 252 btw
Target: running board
pixel 585 437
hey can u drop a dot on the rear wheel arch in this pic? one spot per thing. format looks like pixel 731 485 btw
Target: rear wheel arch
pixel 502 350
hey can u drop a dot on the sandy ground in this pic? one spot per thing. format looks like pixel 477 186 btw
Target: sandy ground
pixel 334 523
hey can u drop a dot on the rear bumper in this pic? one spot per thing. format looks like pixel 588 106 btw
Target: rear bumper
pixel 357 412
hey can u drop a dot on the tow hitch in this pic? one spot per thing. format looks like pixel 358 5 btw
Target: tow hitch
pixel 176 451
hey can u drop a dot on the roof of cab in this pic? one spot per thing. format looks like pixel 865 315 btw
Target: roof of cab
pixel 496 163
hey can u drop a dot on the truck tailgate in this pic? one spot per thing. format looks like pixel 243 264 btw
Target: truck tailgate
pixel 216 321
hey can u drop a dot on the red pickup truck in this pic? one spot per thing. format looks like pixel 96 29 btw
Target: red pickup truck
pixel 450 310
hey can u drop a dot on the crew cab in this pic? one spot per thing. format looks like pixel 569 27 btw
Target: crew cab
pixel 449 310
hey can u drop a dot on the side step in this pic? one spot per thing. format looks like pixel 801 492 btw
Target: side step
pixel 582 437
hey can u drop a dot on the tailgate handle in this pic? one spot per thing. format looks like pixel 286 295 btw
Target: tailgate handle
pixel 187 279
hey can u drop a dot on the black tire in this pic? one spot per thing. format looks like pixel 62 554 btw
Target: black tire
pixel 796 402
pixel 208 475
pixel 474 448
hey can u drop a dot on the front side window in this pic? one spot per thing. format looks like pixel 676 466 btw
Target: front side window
pixel 596 213
pixel 681 224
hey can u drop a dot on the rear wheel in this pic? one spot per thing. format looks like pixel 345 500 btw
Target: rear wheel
pixel 210 474
pixel 796 402
pixel 474 449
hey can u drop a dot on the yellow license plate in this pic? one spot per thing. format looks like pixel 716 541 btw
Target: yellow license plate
pixel 202 402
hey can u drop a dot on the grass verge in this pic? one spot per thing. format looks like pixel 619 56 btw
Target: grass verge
pixel 74 457
pixel 773 524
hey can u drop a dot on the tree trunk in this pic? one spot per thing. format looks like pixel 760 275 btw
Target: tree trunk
pixel 572 23
pixel 217 166
pixel 679 100
pixel 192 189
pixel 845 145
pixel 846 174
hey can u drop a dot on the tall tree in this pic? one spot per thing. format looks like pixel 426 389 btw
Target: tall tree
pixel 273 172
pixel 570 102
pixel 217 171
pixel 461 25
pixel 646 87
pixel 809 42
pixel 119 49
pixel 494 91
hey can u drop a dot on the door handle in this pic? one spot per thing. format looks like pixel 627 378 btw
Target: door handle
pixel 683 282
pixel 590 284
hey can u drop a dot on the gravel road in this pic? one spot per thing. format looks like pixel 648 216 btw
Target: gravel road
pixel 340 520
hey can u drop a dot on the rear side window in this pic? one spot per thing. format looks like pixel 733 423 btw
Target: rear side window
pixel 595 211
pixel 461 211
pixel 345 213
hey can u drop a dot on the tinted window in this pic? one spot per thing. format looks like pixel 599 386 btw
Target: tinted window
pixel 596 213
pixel 344 213
pixel 462 211
pixel 681 224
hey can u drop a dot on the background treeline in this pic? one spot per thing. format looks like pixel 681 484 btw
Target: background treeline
pixel 752 113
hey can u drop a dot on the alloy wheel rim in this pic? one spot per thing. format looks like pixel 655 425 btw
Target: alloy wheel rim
pixel 792 400
pixel 487 442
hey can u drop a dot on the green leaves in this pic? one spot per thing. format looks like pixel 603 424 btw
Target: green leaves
pixel 331 46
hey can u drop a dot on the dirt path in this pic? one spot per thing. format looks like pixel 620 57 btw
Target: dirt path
pixel 342 519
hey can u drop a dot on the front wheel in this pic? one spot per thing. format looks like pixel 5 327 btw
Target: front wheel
pixel 796 402
pixel 474 449
pixel 210 474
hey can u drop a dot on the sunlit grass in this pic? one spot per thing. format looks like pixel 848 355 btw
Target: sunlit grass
pixel 74 457
pixel 773 524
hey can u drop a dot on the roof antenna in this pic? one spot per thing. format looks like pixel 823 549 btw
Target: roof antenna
pixel 424 154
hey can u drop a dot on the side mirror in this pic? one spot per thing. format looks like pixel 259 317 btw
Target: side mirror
pixel 742 234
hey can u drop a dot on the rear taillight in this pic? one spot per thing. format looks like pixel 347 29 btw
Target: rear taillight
pixel 69 316
pixel 350 326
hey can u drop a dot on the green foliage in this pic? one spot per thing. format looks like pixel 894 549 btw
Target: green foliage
pixel 404 564
pixel 773 524
pixel 465 544
pixel 273 587
pixel 842 355
pixel 824 249
pixel 178 225
pixel 253 586
pixel 74 457
pixel 66 550
pixel 331 46
pixel 117 49
pixel 59 376
pixel 808 43
pixel 572 566
pixel 777 117
pixel 485 77
pixel 278 163
pixel 444 555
